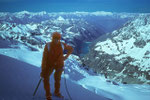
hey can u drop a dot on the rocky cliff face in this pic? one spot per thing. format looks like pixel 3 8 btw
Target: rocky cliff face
pixel 125 57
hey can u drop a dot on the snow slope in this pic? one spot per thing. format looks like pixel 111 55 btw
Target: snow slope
pixel 19 79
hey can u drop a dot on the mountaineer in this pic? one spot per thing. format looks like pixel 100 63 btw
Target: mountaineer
pixel 53 59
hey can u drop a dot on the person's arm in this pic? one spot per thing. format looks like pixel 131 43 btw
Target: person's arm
pixel 44 58
pixel 69 50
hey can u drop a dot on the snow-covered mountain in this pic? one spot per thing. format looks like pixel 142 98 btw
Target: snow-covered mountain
pixel 125 56
pixel 25 17
pixel 35 35
pixel 34 29
pixel 19 66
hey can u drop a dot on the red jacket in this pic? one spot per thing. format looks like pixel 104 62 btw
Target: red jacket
pixel 54 58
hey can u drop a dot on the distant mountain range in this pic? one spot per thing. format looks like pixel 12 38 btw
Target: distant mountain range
pixel 125 55
pixel 34 29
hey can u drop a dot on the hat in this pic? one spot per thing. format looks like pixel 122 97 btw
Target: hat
pixel 56 35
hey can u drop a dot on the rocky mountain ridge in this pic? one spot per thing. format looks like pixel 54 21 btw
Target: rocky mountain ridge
pixel 125 56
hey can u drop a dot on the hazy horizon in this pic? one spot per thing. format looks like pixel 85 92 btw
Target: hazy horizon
pixel 129 6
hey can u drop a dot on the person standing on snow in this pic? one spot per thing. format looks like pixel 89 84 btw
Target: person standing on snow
pixel 53 59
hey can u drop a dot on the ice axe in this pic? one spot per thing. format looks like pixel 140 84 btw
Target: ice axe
pixel 37 86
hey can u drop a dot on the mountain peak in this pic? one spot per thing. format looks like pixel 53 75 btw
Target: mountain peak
pixel 23 12
pixel 60 18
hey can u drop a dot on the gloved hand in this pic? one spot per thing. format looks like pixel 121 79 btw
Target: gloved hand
pixel 42 73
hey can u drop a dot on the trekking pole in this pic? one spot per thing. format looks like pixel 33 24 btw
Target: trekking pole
pixel 37 86
pixel 65 80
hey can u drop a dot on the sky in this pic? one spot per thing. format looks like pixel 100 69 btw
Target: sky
pixel 132 6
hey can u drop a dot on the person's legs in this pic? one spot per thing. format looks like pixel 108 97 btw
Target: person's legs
pixel 57 77
pixel 47 84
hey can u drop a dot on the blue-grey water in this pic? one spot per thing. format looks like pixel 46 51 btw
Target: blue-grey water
pixel 85 48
